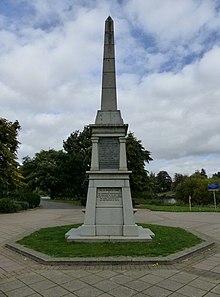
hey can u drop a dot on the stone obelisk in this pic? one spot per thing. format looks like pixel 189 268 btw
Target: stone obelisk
pixel 109 212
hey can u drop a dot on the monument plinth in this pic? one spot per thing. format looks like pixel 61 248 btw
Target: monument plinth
pixel 109 212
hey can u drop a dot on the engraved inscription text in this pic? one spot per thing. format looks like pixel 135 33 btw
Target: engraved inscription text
pixel 109 194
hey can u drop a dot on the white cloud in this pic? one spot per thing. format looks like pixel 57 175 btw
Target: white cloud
pixel 172 19
pixel 176 114
pixel 50 75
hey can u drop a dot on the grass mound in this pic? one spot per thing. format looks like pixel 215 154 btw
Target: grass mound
pixel 167 240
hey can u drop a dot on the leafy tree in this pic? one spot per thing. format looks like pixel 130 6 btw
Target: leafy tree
pixel 64 172
pixel 78 147
pixel 43 171
pixel 56 173
pixel 216 175
pixel 197 187
pixel 178 179
pixel 80 144
pixel 9 174
pixel 137 156
pixel 203 172
pixel 164 181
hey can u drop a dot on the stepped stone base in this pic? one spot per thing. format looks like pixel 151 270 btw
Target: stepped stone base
pixel 78 235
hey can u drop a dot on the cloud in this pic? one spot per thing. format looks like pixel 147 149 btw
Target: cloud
pixel 181 30
pixel 173 20
pixel 167 61
pixel 176 114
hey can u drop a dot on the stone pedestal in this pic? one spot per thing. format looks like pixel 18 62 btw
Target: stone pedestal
pixel 109 213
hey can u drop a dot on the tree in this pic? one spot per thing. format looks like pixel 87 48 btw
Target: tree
pixel 43 172
pixel 164 181
pixel 10 177
pixel 197 187
pixel 64 172
pixel 203 172
pixel 80 144
pixel 137 156
pixel 78 147
pixel 216 175
pixel 178 179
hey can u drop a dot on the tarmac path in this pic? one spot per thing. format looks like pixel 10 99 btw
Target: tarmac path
pixel 20 276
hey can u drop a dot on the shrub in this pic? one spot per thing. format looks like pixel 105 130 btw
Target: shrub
pixel 32 198
pixel 8 206
pixel 22 205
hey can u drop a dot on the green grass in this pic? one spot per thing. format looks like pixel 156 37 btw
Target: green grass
pixel 177 208
pixel 167 240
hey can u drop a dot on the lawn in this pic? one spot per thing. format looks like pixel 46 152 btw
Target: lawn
pixel 177 208
pixel 167 240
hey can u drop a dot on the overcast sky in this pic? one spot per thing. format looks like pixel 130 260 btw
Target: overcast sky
pixel 168 74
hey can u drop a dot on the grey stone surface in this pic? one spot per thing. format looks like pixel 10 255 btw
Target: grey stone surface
pixel 88 292
pixel 157 291
pixel 191 291
pixel 122 292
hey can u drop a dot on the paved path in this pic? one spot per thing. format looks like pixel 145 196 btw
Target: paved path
pixel 19 276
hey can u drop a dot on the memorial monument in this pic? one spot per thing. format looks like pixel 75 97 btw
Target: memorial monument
pixel 109 212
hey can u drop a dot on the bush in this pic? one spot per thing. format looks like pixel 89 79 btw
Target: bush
pixel 8 206
pixel 32 198
pixel 22 205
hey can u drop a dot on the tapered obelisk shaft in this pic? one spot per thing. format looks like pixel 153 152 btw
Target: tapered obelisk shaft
pixel 109 114
pixel 109 97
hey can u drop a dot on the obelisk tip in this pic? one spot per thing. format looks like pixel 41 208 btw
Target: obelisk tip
pixel 109 19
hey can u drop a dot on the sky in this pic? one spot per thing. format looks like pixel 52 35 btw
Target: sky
pixel 168 74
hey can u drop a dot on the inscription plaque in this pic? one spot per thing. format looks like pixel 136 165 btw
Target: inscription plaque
pixel 109 151
pixel 110 196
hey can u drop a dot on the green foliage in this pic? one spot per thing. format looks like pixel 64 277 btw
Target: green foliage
pixel 59 173
pixel 197 187
pixel 137 156
pixel 8 206
pixel 44 171
pixel 178 179
pixel 216 175
pixel 164 182
pixel 63 173
pixel 167 240
pixel 79 144
pixel 22 205
pixel 9 174
pixel 31 198
pixel 78 147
